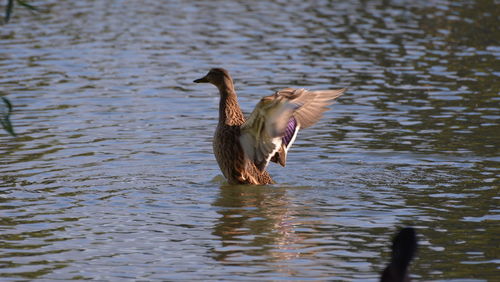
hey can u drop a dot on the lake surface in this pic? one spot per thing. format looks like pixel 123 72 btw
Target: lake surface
pixel 112 175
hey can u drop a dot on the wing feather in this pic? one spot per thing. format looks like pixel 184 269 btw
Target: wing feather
pixel 264 136
pixel 313 104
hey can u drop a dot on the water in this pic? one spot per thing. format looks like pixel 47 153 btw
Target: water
pixel 112 175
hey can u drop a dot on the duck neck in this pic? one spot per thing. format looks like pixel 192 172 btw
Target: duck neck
pixel 229 109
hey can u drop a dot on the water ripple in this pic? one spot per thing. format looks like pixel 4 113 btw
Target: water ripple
pixel 112 175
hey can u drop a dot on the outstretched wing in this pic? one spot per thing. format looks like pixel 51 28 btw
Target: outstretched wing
pixel 273 125
pixel 313 103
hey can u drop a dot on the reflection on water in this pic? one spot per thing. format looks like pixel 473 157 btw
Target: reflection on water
pixel 110 176
pixel 258 216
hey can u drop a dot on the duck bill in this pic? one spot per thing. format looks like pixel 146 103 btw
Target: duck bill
pixel 201 80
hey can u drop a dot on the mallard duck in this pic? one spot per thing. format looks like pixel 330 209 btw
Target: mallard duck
pixel 244 148
pixel 404 247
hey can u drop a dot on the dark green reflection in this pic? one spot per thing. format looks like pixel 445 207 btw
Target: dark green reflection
pixel 6 110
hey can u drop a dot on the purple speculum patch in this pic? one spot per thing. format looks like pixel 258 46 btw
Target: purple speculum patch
pixel 289 130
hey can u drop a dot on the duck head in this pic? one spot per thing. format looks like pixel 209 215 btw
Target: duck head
pixel 217 76
pixel 404 247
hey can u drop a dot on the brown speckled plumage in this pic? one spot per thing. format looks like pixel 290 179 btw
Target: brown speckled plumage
pixel 244 148
pixel 227 149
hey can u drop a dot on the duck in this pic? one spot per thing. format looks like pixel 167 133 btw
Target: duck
pixel 404 247
pixel 243 147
